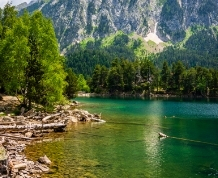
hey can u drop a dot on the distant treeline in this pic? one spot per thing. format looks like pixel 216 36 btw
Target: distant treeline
pixel 141 76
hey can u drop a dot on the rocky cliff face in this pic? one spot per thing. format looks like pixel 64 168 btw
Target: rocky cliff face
pixel 177 15
pixel 75 20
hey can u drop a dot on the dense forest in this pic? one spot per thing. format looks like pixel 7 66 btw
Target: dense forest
pixel 142 77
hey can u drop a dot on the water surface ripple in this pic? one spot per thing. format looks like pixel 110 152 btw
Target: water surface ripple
pixel 127 145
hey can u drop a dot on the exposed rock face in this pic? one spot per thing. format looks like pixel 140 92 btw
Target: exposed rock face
pixel 75 20
pixel 177 16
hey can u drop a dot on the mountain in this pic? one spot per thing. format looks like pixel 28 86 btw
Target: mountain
pixel 75 20
pixel 21 6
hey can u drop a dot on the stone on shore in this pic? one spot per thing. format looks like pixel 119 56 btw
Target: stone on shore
pixel 44 160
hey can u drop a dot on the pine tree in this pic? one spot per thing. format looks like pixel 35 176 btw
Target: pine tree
pixel 165 75
pixel 96 79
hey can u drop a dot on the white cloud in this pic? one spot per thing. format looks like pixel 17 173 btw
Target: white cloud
pixel 14 2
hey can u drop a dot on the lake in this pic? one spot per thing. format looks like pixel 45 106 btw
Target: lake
pixel 127 145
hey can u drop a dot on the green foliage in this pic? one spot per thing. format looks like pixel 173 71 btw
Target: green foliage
pixel 115 79
pixel 178 72
pixel 98 80
pixel 120 40
pixel 142 76
pixel 165 75
pixel 203 40
pixel 83 57
pixel 30 59
pixel 84 61
pixel 82 84
pixel 190 58
pixel 71 80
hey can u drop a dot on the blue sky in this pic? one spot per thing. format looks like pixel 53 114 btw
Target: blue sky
pixel 14 2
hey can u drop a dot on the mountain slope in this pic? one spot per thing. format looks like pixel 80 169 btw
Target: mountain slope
pixel 76 20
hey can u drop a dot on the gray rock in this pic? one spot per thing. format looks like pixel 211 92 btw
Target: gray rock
pixel 44 160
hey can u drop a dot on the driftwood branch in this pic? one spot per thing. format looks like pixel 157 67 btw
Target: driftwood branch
pixel 50 116
pixel 34 126
pixel 12 136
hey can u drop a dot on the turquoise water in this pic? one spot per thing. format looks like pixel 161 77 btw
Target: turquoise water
pixel 127 145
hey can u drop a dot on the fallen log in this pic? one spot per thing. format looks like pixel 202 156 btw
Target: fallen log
pixel 11 123
pixel 12 136
pixel 34 126
pixel 50 116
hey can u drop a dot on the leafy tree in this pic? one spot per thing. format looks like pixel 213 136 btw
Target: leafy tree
pixel 103 78
pixel 129 72
pixel 71 80
pixel 115 80
pixel 45 75
pixel 115 77
pixel 7 21
pixel 190 80
pixel 8 18
pixel 30 58
pixel 96 79
pixel 13 51
pixel 149 74
pixel 82 84
pixel 203 79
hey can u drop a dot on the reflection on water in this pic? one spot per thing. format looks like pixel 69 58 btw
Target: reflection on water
pixel 127 145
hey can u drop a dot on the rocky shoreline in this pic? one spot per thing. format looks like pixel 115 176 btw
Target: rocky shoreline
pixel 16 132
pixel 143 95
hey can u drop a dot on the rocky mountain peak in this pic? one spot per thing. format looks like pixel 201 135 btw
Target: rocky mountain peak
pixel 75 20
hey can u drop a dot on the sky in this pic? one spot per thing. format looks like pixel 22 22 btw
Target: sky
pixel 14 2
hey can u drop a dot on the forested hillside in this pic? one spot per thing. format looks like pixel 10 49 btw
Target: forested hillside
pixel 200 48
